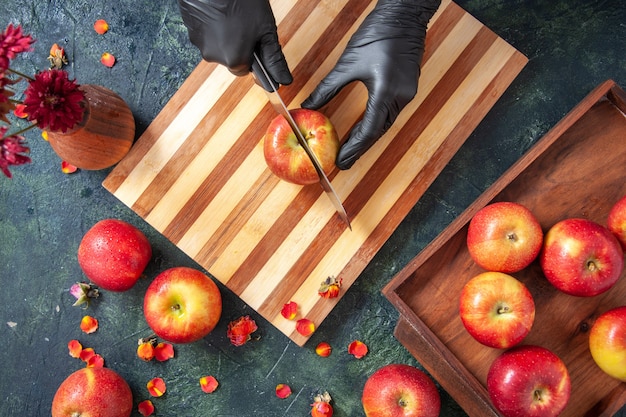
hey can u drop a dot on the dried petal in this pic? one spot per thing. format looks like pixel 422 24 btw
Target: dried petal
pixel 107 59
pixel 321 406
pixel 101 26
pixel 145 351
pixel 239 330
pixel 96 361
pixel 283 390
pixel 329 288
pixel 44 135
pixel 68 168
pixel 57 57
pixel 323 349
pixel 358 349
pixel 156 387
pixel 75 348
pixel 86 354
pixel 208 384
pixel 163 351
pixel 289 310
pixel 89 324
pixel 20 112
pixel 83 292
pixel 145 408
pixel 305 327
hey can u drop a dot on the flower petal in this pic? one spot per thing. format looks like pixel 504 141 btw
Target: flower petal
pixel 145 408
pixel 239 330
pixel 289 310
pixel 89 324
pixel 283 390
pixel 19 111
pixel 86 354
pixel 107 59
pixel 358 349
pixel 75 348
pixel 321 405
pixel 208 384
pixel 329 288
pixel 145 351
pixel 96 361
pixel 305 327
pixel 156 387
pixel 101 26
pixel 68 168
pixel 323 349
pixel 163 351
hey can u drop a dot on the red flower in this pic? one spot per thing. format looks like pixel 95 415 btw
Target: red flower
pixel 11 151
pixel 13 42
pixel 239 330
pixel 53 101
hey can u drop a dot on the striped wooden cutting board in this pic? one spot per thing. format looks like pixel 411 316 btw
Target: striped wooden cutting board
pixel 198 176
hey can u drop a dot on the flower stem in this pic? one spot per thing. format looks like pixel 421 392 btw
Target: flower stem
pixel 20 74
pixel 26 129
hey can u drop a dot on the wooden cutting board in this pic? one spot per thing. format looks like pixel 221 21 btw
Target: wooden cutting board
pixel 198 176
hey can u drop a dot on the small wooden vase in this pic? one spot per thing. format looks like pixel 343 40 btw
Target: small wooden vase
pixel 104 136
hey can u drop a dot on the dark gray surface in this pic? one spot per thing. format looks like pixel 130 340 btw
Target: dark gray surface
pixel 573 45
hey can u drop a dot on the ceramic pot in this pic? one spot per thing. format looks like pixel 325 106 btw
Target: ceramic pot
pixel 104 136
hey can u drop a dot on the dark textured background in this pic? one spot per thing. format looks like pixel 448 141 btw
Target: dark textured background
pixel 573 45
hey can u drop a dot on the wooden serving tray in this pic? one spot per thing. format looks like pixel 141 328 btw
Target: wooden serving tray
pixel 198 175
pixel 575 170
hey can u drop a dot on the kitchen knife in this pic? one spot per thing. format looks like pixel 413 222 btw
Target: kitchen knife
pixel 262 76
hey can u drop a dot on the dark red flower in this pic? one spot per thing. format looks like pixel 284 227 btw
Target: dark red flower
pixel 53 101
pixel 13 42
pixel 11 151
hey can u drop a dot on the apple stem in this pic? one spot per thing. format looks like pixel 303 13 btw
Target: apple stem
pixel 503 309
pixel 512 236
pixel 537 395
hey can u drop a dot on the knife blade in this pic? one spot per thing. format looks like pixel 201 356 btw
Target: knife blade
pixel 262 76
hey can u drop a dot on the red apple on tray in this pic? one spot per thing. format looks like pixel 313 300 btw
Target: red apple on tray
pixel 504 236
pixel 582 258
pixel 113 254
pixel 287 159
pixel 616 221
pixel 607 342
pixel 399 390
pixel 98 392
pixel 528 381
pixel 497 309
pixel 182 305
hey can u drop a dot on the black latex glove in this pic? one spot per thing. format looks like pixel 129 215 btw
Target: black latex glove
pixel 385 53
pixel 229 31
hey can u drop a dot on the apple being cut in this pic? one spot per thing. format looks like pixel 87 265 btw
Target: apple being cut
pixel 98 392
pixel 529 381
pixel 582 258
pixel 399 390
pixel 182 305
pixel 504 236
pixel 607 342
pixel 616 221
pixel 497 309
pixel 287 159
pixel 113 254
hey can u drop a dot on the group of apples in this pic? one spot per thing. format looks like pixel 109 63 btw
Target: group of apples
pixel 181 305
pixel 577 256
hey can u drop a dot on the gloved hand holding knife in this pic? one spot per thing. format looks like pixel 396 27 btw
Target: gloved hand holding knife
pixel 385 54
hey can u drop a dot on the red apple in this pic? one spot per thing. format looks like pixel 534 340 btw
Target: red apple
pixel 400 390
pixel 99 392
pixel 113 254
pixel 287 159
pixel 616 222
pixel 504 236
pixel 581 257
pixel 607 342
pixel 497 309
pixel 182 305
pixel 529 381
